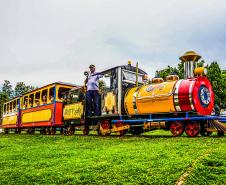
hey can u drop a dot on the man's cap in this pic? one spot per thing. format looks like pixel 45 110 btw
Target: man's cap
pixel 91 65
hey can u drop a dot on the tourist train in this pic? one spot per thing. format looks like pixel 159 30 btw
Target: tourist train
pixel 128 104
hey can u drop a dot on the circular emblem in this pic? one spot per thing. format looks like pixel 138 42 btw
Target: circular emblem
pixel 204 96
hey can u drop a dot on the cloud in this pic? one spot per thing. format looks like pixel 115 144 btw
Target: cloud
pixel 46 41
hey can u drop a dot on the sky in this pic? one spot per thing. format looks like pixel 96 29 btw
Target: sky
pixel 44 41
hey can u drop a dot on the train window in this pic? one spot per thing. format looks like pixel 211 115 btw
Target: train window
pixel 10 106
pixel 107 80
pixel 4 109
pixel 44 96
pixel 105 84
pixel 130 77
pixel 37 98
pixel 31 100
pixel 75 95
pixel 14 106
pixel 25 102
pixel 51 94
pixel 7 109
pixel 62 92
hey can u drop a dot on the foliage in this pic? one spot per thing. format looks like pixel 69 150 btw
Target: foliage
pixel 7 92
pixel 7 88
pixel 148 159
pixel 3 99
pixel 178 71
pixel 215 77
pixel 21 88
pixel 164 73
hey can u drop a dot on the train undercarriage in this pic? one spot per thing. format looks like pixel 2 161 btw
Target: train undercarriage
pixel 191 125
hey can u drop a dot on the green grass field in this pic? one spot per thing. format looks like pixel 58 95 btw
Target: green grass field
pixel 153 158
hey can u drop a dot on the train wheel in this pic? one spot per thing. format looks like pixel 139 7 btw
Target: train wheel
pixel 71 130
pixel 30 131
pixel 43 131
pixel 65 132
pixel 177 128
pixel 85 130
pixel 121 132
pixel 17 131
pixel 192 129
pixel 53 131
pixel 48 131
pixel 104 128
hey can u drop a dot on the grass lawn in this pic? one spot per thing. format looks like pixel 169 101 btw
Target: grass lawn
pixel 152 158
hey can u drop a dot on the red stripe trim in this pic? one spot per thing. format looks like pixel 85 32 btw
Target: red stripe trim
pixel 9 126
pixel 183 95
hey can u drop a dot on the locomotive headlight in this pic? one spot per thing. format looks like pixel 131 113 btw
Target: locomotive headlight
pixel 204 96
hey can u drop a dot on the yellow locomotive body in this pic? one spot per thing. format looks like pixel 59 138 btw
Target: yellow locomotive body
pixel 149 99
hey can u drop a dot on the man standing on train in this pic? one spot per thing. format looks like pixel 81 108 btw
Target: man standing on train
pixel 92 92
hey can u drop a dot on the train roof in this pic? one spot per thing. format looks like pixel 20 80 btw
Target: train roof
pixel 126 67
pixel 54 83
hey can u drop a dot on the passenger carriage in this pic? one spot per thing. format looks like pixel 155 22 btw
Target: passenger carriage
pixel 40 109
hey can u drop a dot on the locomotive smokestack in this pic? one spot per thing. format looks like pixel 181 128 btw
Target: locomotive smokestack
pixel 189 60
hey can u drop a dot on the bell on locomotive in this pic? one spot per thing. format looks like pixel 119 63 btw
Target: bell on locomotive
pixel 194 93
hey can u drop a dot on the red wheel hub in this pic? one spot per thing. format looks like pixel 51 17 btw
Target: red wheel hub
pixel 105 124
pixel 120 124
pixel 176 128
pixel 192 129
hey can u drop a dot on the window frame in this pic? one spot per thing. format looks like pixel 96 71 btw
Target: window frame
pixel 57 98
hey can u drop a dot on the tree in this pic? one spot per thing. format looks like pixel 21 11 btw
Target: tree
pixel 7 89
pixel 21 88
pixel 165 72
pixel 215 77
pixel 7 92
pixel 3 99
pixel 180 68
pixel 224 95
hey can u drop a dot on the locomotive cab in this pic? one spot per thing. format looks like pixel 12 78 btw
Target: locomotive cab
pixel 113 86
